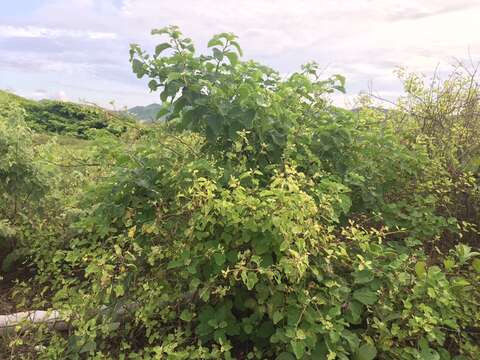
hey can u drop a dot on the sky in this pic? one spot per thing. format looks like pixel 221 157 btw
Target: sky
pixel 77 50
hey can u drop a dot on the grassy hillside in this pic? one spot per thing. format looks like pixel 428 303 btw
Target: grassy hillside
pixel 66 117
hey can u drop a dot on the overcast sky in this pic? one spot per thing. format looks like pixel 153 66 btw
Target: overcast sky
pixel 78 49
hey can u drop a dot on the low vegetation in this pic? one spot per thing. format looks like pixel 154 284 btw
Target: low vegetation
pixel 258 221
pixel 67 118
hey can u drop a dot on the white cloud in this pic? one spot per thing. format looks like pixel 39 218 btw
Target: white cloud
pixel 363 39
pixel 9 31
pixel 375 35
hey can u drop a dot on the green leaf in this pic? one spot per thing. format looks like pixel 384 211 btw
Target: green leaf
pixel 88 347
pixel 186 315
pixel 164 30
pixel 476 265
pixel 194 284
pixel 284 245
pixel 175 264
pixel 215 42
pixel 153 85
pixel 249 278
pixel 420 269
pixel 119 290
pixel 174 76
pixel 219 259
pixel 244 92
pixel 352 339
pixel 237 46
pixel 248 328
pixel 341 80
pixel 298 348
pixel 277 316
pixel 365 296
pixel 261 246
pixel 163 96
pixel 366 352
pixel 363 276
pixel 159 48
pixel 449 264
pixel 137 67
pixel 217 54
pixel 429 354
pixel 285 356
pixel 354 312
pixel 232 57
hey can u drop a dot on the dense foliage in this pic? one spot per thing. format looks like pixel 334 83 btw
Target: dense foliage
pixel 67 118
pixel 260 222
pixel 22 183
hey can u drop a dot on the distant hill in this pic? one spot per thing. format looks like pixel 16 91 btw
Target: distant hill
pixel 145 113
pixel 66 117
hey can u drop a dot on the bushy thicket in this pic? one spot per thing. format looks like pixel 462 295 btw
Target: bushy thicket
pixel 22 183
pixel 261 222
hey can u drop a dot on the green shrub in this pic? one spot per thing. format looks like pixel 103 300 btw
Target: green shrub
pixel 22 182
pixel 444 114
pixel 259 222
